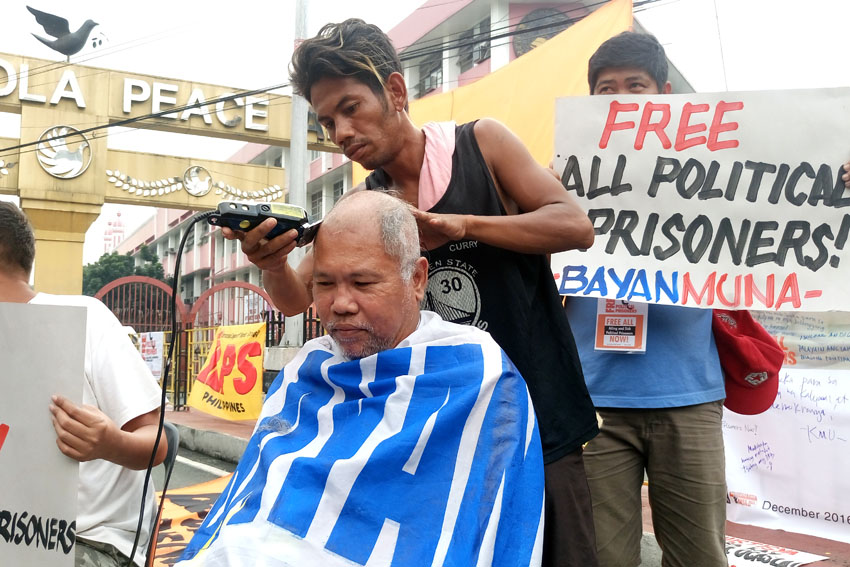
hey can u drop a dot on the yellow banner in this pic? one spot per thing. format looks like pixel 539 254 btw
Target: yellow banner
pixel 230 384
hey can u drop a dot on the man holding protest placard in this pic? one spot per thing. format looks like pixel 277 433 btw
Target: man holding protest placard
pixel 112 433
pixel 660 399
pixel 653 370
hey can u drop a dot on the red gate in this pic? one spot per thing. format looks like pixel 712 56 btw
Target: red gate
pixel 231 303
pixel 142 303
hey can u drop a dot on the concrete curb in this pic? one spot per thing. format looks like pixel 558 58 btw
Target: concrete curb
pixel 212 443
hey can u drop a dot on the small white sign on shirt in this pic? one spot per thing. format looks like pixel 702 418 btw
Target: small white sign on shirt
pixel 621 325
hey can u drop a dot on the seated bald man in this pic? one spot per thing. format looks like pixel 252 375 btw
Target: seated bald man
pixel 398 438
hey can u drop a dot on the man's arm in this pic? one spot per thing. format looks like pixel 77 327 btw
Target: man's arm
pixel 85 433
pixel 548 218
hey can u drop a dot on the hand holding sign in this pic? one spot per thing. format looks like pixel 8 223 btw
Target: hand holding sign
pixel 83 432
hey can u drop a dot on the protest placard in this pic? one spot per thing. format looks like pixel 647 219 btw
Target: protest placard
pixel 230 384
pixel 730 200
pixel 152 347
pixel 743 552
pixel 43 355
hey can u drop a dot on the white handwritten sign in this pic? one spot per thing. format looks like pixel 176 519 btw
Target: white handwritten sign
pixel 787 468
pixel 810 340
pixel 43 351
pixel 731 200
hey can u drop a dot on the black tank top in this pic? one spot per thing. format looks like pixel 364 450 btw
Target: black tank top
pixel 512 296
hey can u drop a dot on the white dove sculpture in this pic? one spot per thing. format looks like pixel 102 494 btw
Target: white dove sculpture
pixel 57 159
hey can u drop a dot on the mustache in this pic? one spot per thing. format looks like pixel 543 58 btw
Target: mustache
pixel 331 326
pixel 356 142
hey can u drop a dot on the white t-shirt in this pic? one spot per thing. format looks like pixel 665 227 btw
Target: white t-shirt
pixel 119 383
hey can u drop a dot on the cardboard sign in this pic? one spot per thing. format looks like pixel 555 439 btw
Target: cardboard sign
pixel 786 468
pixel 43 354
pixel 230 383
pixel 730 200
pixel 152 347
pixel 743 552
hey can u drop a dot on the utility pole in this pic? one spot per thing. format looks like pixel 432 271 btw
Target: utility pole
pixel 296 173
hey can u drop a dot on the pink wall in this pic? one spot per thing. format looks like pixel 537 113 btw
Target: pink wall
pixel 205 251
pixel 425 18
pixel 248 152
pixel 187 265
pixel 315 168
pixel 138 237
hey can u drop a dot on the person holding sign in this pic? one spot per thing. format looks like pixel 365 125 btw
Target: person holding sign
pixel 112 433
pixel 397 438
pixel 655 379
pixel 489 215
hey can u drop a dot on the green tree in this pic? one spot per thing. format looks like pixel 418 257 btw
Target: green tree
pixel 113 266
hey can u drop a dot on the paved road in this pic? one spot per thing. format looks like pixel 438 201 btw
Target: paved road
pixel 192 468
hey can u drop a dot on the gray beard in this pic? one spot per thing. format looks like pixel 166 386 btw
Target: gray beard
pixel 373 345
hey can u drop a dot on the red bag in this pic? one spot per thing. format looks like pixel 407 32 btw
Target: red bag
pixel 750 359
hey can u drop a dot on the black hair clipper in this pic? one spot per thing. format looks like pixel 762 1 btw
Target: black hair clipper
pixel 245 216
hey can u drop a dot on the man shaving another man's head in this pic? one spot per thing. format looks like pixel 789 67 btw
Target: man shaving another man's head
pixel 488 215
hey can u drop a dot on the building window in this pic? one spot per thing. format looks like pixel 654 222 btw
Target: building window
pixel 314 155
pixel 430 73
pixel 474 45
pixel 464 50
pixel 338 190
pixel 481 49
pixel 316 205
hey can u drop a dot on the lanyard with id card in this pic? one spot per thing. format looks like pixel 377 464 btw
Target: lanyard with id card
pixel 621 326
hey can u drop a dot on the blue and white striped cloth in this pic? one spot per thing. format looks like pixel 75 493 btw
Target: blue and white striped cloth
pixel 426 454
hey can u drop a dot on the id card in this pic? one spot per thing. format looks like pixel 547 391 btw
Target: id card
pixel 621 326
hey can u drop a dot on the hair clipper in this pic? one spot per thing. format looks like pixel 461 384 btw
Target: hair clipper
pixel 246 216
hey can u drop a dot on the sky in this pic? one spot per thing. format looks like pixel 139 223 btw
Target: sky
pixel 718 45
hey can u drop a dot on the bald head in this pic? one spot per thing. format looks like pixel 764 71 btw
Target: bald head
pixel 396 228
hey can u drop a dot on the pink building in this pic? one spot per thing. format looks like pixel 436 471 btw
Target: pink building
pixel 113 235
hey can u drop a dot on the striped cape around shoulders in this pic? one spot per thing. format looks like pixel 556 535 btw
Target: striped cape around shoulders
pixel 425 454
